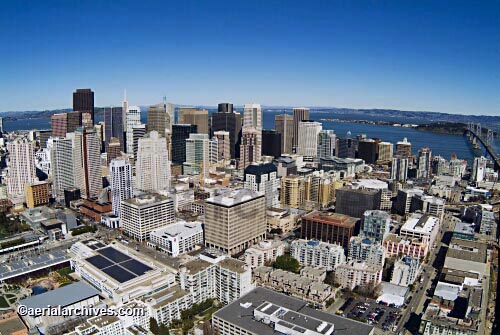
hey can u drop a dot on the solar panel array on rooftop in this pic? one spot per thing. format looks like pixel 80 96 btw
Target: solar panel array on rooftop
pixel 117 265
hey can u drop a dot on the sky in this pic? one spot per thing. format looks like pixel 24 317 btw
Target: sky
pixel 441 56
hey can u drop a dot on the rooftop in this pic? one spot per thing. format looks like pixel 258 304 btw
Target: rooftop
pixel 230 198
pixel 62 296
pixel 422 223
pixel 146 199
pixel 179 229
pixel 332 218
pixel 289 312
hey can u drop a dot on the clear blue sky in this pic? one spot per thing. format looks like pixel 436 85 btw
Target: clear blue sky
pixel 439 56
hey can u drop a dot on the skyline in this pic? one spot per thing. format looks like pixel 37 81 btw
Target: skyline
pixel 431 56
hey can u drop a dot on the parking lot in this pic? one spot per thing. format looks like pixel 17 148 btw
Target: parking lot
pixel 368 310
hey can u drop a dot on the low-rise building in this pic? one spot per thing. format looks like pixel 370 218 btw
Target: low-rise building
pixel 266 312
pixel 299 285
pixel 177 238
pixel 264 252
pixel 423 227
pixel 405 272
pixel 355 273
pixel 398 245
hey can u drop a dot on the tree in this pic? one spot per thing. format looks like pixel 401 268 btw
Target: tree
pixel 163 330
pixel 153 326
pixel 287 263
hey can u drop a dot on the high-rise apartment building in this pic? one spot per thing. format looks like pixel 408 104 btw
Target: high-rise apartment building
pixel 326 143
pixel 299 114
pixel 83 102
pixel 399 168
pixel 113 125
pixel 235 220
pixel 424 163
pixel 194 116
pixel 308 132
pixel 225 119
pixel 376 225
pixel 161 118
pixel 385 152
pixel 180 133
pixel 292 191
pixel 62 168
pixel 121 184
pixel 223 146
pixel 403 148
pixel 133 119
pixel 263 178
pixel 317 254
pixel 86 160
pixel 152 167
pixel 249 147
pixel 283 124
pixel 271 143
pixel 142 214
pixel 21 168
pixel 478 168
pixel 365 250
pixel 197 155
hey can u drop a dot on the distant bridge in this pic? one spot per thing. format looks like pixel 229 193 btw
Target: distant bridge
pixel 475 132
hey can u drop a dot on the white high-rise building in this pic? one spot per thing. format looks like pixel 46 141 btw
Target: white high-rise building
pixel 307 144
pixel 86 160
pixel 326 144
pixel 252 118
pixel 424 163
pixel 120 180
pixel 478 168
pixel 21 168
pixel 133 119
pixel 263 178
pixel 61 162
pixel 152 167
pixel 197 154
pixel 399 168
pixel 317 254
pixel 365 250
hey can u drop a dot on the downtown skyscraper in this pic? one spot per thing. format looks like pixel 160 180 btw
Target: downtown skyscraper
pixel 21 168
pixel 113 125
pixel 86 159
pixel 152 167
pixel 120 182
pixel 61 163
pixel 283 124
pixel 299 114
pixel 252 118
pixel 133 120
pixel 226 119
pixel 83 102
pixel 161 118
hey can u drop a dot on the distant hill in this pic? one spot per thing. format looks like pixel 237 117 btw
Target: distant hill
pixel 355 114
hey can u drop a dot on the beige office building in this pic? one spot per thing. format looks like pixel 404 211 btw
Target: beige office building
pixel 144 213
pixel 196 116
pixel 235 220
pixel 385 152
